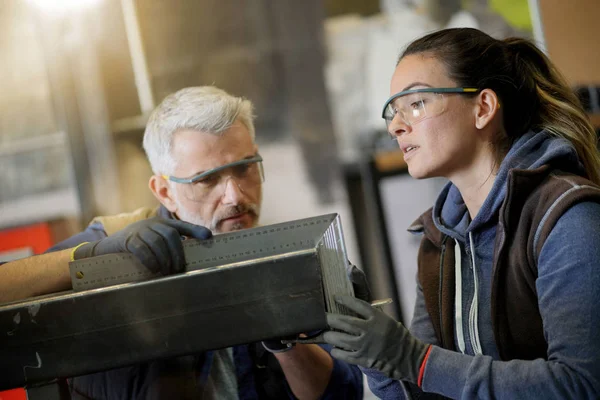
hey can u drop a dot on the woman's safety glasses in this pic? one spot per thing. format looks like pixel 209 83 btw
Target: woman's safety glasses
pixel 247 174
pixel 415 105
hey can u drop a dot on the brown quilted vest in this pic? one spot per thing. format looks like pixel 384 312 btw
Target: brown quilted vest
pixel 535 200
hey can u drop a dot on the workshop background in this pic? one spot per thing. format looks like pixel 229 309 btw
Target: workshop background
pixel 80 77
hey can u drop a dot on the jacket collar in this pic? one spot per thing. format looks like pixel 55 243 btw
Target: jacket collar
pixel 425 223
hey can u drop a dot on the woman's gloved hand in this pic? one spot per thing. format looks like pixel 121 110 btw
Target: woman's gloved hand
pixel 156 242
pixel 375 340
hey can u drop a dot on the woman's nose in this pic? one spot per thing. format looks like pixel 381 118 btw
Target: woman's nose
pixel 398 126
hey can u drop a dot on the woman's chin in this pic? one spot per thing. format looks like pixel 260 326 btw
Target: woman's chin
pixel 417 173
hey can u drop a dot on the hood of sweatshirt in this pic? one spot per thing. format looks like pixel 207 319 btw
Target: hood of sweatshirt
pixel 530 151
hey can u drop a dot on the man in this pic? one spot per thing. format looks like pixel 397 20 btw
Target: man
pixel 207 173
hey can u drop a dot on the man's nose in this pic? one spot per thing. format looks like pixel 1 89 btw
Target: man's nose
pixel 233 192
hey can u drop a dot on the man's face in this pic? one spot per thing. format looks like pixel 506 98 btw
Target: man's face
pixel 226 201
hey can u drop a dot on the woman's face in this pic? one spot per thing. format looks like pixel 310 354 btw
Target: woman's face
pixel 443 143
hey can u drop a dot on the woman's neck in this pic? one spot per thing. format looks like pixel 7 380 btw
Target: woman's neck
pixel 476 182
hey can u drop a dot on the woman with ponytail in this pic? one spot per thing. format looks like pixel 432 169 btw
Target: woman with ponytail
pixel 509 264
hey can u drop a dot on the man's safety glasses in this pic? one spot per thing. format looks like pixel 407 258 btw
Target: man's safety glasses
pixel 247 174
pixel 415 105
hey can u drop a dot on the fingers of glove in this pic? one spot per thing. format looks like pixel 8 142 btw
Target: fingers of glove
pixel 348 356
pixel 159 247
pixel 136 246
pixel 342 340
pixel 187 229
pixel 360 307
pixel 174 246
pixel 346 323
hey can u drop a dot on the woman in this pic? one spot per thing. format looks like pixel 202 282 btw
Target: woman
pixel 508 278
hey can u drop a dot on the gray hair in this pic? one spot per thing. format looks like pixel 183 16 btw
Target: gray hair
pixel 204 108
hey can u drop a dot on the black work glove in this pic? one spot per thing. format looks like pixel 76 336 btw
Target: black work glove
pixel 156 242
pixel 359 283
pixel 375 340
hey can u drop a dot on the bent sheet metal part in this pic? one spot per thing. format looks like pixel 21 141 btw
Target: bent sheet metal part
pixel 239 287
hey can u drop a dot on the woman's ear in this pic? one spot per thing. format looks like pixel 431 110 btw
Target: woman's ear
pixel 162 191
pixel 488 105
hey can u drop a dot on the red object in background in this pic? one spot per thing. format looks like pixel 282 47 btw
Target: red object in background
pixel 36 237
pixel 13 394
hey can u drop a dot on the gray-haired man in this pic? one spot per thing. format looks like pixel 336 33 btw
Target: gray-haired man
pixel 207 173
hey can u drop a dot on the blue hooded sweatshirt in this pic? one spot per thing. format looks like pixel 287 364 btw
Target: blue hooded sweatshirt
pixel 568 288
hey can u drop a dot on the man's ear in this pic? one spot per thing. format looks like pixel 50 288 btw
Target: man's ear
pixel 162 191
pixel 487 107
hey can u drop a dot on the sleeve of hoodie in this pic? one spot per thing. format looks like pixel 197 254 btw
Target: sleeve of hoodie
pixel 346 381
pixel 569 299
pixel 422 328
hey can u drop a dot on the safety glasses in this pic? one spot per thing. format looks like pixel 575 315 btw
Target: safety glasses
pixel 246 174
pixel 415 105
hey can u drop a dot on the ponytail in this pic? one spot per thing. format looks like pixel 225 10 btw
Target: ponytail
pixel 556 108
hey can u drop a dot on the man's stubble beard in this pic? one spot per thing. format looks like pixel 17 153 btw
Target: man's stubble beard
pixel 253 209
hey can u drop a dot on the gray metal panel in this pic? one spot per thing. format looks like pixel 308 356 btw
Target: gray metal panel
pixel 219 251
pixel 333 260
pixel 79 333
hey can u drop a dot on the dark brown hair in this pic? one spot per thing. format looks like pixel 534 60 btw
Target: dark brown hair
pixel 532 92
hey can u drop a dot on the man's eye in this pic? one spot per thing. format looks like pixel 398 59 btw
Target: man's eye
pixel 207 181
pixel 242 170
pixel 417 104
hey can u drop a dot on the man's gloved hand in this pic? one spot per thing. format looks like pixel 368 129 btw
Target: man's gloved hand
pixel 156 242
pixel 359 283
pixel 375 340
